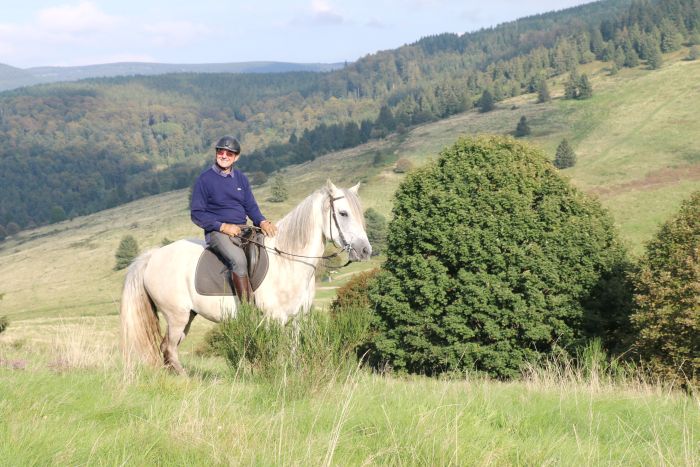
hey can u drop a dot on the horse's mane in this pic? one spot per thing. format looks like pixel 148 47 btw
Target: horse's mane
pixel 296 228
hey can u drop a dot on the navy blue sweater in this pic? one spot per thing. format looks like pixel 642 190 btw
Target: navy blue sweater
pixel 218 198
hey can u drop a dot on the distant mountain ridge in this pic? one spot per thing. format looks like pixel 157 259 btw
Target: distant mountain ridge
pixel 13 77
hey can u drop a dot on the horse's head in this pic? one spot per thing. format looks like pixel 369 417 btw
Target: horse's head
pixel 344 223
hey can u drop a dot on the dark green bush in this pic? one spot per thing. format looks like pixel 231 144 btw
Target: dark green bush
pixel 667 298
pixel 493 259
pixel 354 293
pixel 127 250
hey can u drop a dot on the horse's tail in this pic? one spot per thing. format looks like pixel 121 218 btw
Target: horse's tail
pixel 139 321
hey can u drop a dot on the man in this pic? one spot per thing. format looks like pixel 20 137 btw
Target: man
pixel 221 202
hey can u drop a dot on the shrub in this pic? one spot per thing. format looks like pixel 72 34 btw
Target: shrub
pixel 279 190
pixel 492 259
pixel 403 165
pixel 376 228
pixel 309 351
pixel 4 323
pixel 127 250
pixel 523 127
pixel 667 297
pixel 565 156
pixel 354 293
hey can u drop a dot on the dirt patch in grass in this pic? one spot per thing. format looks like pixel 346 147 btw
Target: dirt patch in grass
pixel 652 181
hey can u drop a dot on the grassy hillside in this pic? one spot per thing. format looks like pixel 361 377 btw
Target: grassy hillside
pixel 66 400
pixel 635 139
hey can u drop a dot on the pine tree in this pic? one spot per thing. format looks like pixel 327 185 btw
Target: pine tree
pixel 693 53
pixel 543 92
pixel 584 88
pixel 279 190
pixel 486 102
pixel 523 128
pixel 565 156
pixel 655 60
pixel 127 250
pixel 571 86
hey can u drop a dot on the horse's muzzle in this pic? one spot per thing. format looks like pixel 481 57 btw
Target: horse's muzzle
pixel 360 250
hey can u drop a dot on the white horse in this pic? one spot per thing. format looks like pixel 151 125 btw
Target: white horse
pixel 163 279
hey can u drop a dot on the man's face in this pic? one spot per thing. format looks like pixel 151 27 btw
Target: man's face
pixel 225 158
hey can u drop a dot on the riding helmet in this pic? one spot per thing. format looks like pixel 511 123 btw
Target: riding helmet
pixel 230 143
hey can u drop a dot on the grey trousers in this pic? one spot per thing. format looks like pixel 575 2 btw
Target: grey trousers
pixel 230 250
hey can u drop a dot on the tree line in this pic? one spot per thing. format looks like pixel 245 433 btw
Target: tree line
pixel 151 133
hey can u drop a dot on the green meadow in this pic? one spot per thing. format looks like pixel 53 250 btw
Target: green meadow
pixel 66 399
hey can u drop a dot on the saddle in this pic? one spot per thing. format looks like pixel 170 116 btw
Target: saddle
pixel 212 276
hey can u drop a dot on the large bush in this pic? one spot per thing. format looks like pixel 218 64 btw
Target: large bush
pixel 667 297
pixel 492 259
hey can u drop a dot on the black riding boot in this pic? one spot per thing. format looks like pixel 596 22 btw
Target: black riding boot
pixel 243 288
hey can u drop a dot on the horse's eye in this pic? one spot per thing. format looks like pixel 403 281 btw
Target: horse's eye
pixel 343 213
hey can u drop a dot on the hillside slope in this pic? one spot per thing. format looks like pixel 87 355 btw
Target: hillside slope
pixel 635 139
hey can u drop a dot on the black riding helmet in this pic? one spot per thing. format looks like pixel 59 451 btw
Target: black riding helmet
pixel 230 143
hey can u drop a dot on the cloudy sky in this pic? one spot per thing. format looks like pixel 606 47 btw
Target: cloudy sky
pixel 82 32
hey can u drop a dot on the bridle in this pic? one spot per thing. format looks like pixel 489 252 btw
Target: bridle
pixel 332 218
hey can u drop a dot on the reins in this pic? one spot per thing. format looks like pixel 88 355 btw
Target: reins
pixel 346 246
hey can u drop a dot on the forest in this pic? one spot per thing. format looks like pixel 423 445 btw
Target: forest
pixel 74 148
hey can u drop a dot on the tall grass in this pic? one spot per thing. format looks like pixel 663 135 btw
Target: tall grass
pixel 313 349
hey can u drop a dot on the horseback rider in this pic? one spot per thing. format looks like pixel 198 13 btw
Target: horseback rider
pixel 222 200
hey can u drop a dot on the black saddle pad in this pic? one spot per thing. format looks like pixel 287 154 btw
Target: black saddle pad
pixel 212 276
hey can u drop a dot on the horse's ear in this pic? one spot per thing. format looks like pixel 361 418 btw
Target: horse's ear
pixel 354 189
pixel 330 187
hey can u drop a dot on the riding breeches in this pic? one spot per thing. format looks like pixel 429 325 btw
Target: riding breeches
pixel 230 251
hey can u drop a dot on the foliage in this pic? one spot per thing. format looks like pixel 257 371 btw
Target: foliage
pixel 655 60
pixel 376 228
pixel 127 250
pixel 667 297
pixel 578 87
pixel 12 229
pixel 693 53
pixel 4 323
pixel 403 165
pixel 486 102
pixel 3 233
pixel 258 178
pixel 543 94
pixel 492 259
pixel 279 190
pixel 310 351
pixel 565 156
pixel 523 128
pixel 354 293
pixel 135 126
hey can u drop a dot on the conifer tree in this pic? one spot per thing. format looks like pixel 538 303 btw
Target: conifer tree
pixel 127 250
pixel 523 128
pixel 543 92
pixel 655 60
pixel 571 86
pixel 486 102
pixel 279 190
pixel 584 89
pixel 565 156
pixel 693 53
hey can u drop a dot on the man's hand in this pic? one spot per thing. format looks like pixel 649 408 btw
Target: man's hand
pixel 268 228
pixel 230 229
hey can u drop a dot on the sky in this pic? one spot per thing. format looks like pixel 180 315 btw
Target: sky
pixel 84 32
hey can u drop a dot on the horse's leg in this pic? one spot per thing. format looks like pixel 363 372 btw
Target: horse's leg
pixel 178 326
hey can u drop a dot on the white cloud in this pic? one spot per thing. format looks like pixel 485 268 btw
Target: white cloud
pixel 70 19
pixel 175 33
pixel 324 13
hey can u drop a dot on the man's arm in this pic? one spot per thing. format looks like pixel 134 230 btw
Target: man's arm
pixel 198 209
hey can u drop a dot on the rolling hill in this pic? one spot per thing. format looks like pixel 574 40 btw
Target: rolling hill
pixel 635 140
